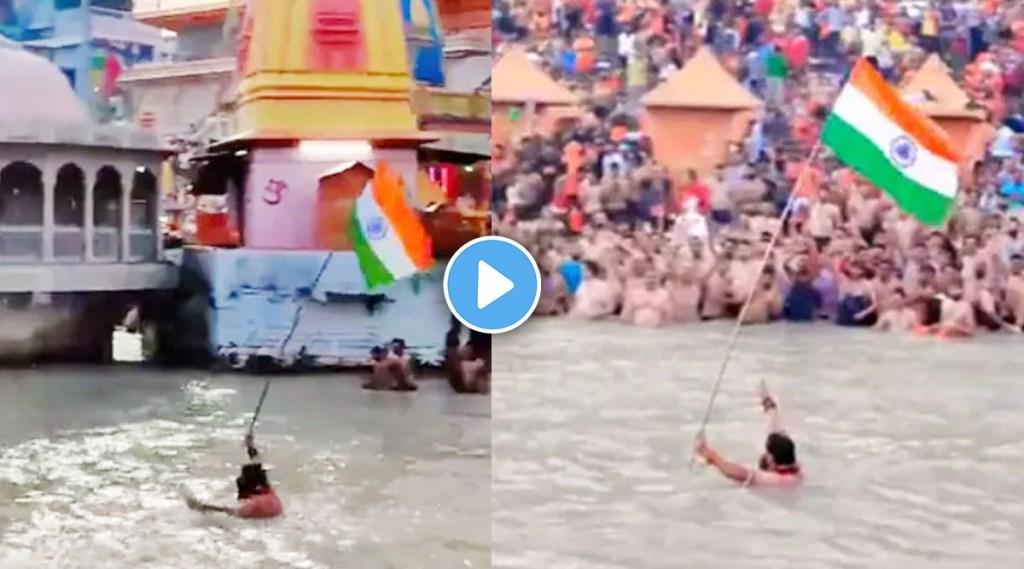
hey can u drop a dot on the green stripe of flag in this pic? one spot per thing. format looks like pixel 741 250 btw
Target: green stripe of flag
pixel 374 271
pixel 860 153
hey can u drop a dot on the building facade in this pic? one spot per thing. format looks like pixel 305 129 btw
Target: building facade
pixel 90 41
pixel 188 93
pixel 79 215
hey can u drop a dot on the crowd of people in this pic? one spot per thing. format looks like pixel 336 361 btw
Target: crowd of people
pixel 619 235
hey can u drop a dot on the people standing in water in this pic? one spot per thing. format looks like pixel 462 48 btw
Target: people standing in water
pixel 777 467
pixel 256 497
pixel 389 372
pixel 400 352
pixel 466 366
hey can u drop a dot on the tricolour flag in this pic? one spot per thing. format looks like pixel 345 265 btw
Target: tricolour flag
pixel 387 235
pixel 895 146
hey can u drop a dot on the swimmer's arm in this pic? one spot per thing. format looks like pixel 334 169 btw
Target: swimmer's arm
pixel 204 508
pixel 731 470
pixel 773 419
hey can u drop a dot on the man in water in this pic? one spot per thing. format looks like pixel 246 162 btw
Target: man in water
pixel 256 498
pixel 778 465
pixel 388 372
pixel 401 353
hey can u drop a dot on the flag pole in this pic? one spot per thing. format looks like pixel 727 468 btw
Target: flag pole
pixel 731 345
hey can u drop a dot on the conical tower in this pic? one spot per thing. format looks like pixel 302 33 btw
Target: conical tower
pixel 324 70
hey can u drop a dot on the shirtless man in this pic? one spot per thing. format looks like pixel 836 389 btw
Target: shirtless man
pixel 597 297
pixel 744 272
pixel 256 498
pixel 973 258
pixel 1015 291
pixel 684 286
pixel 987 314
pixel 468 371
pixel 823 219
pixel 388 373
pixel 896 315
pixel 717 287
pixel 777 467
pixel 957 320
pixel 400 352
pixel 647 303
pixel 766 302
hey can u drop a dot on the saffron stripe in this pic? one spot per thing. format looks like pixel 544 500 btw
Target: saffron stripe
pixel 924 167
pixel 389 195
pixel 866 79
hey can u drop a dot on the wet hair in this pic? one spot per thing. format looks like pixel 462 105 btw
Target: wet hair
pixel 252 481
pixel 378 351
pixel 782 449
pixel 398 342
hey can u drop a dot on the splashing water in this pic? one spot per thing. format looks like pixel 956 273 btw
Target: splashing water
pixel 92 477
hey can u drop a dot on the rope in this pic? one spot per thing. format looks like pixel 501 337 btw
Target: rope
pixel 731 345
pixel 288 338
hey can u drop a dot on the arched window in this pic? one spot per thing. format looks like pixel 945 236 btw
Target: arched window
pixel 69 197
pixel 144 216
pixel 21 212
pixel 69 213
pixel 106 213
pixel 144 196
pixel 107 198
pixel 21 195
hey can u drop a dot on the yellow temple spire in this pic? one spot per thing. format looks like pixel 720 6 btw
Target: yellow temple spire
pixel 324 70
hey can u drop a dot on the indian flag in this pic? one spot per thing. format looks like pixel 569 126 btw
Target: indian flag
pixel 387 235
pixel 892 144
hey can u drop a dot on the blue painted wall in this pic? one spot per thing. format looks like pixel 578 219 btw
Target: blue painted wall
pixel 255 296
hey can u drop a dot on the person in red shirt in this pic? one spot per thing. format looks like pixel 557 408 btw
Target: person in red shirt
pixel 695 190
pixel 256 498
pixel 777 467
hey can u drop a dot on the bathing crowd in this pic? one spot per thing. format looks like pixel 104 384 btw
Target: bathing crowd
pixel 619 235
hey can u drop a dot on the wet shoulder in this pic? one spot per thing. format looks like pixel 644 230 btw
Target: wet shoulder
pixel 775 479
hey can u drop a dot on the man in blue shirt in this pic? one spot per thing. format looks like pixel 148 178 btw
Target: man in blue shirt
pixel 1012 188
pixel 572 273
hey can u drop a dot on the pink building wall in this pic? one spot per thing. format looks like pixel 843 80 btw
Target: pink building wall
pixel 281 198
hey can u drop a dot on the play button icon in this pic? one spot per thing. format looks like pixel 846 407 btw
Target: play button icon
pixel 492 284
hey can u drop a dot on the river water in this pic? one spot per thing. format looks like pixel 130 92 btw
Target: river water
pixel 92 462
pixel 913 449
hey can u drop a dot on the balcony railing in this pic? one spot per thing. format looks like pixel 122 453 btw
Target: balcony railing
pixel 143 245
pixel 68 243
pixel 21 243
pixel 106 244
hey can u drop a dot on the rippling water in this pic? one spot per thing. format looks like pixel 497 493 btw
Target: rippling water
pixel 913 449
pixel 92 461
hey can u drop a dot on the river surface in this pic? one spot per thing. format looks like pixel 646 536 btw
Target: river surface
pixel 92 462
pixel 912 448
